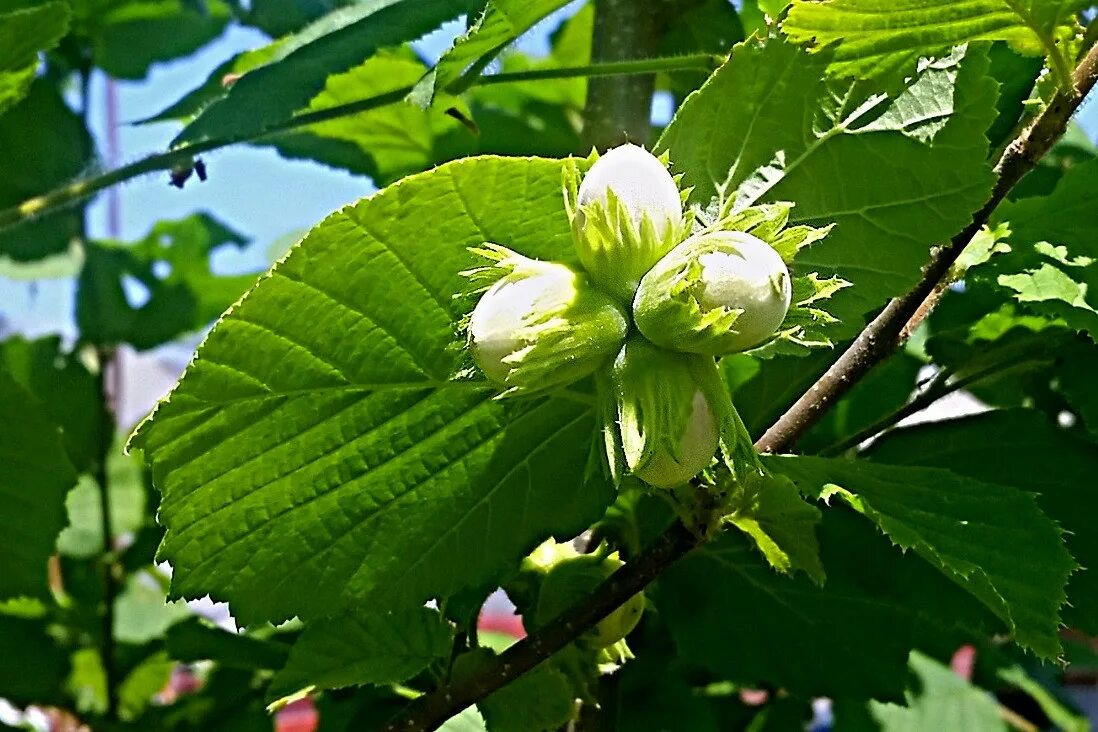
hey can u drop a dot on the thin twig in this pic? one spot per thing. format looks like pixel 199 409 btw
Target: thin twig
pixel 878 339
pixel 185 154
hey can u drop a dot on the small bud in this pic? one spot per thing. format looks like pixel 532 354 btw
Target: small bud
pixel 541 325
pixel 626 214
pixel 668 430
pixel 716 293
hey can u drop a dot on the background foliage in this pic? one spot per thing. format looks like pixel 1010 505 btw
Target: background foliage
pixel 329 467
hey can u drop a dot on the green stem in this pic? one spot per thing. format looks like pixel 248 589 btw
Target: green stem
pixel 694 62
pixel 110 585
pixel 185 155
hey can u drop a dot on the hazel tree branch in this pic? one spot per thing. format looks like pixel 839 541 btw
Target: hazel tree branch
pixel 880 338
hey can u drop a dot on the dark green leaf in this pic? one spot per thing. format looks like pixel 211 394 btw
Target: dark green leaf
pixel 1019 448
pixel 66 388
pixel 321 440
pixel 966 528
pixel 273 93
pixel 364 648
pixel 36 476
pixel 173 263
pixel 731 613
pixel 195 640
pixel 279 17
pixel 32 666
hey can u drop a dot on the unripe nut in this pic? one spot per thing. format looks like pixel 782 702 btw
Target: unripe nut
pixel 641 183
pixel 543 326
pixel 716 293
pixel 697 446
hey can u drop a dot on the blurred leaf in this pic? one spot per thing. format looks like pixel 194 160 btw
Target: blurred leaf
pixel 129 36
pixel 324 411
pixel 42 145
pixel 141 614
pixel 966 528
pixel 501 23
pixel 23 33
pixel 32 666
pixel 1016 76
pixel 172 264
pixel 1057 712
pixel 1019 448
pixel 87 681
pixel 195 640
pixel 941 700
pixel 137 690
pixel 875 38
pixel 279 17
pixel 791 129
pixel 363 648
pixel 36 476
pixel 83 534
pixel 706 26
pixel 67 390
pixel 540 699
pixel 271 94
pixel 1073 148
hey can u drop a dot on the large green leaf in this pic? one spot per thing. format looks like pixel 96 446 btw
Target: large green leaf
pixel 968 529
pixel 497 27
pixel 128 37
pixel 732 614
pixel 877 37
pixel 196 640
pixel 1051 265
pixel 35 477
pixel 42 145
pixel 274 92
pixel 172 263
pixel 364 647
pixel 320 439
pixel 1019 448
pixel 23 34
pixel 767 126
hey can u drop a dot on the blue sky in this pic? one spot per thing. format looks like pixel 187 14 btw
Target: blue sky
pixel 268 199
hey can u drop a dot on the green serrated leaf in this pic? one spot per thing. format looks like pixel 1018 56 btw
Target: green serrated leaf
pixel 363 647
pixel 783 526
pixel 966 528
pixel 323 411
pixel 879 38
pixel 36 476
pixel 1050 262
pixel 172 262
pixel 500 23
pixel 285 84
pixel 793 136
pixel 23 34
pixel 1018 448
